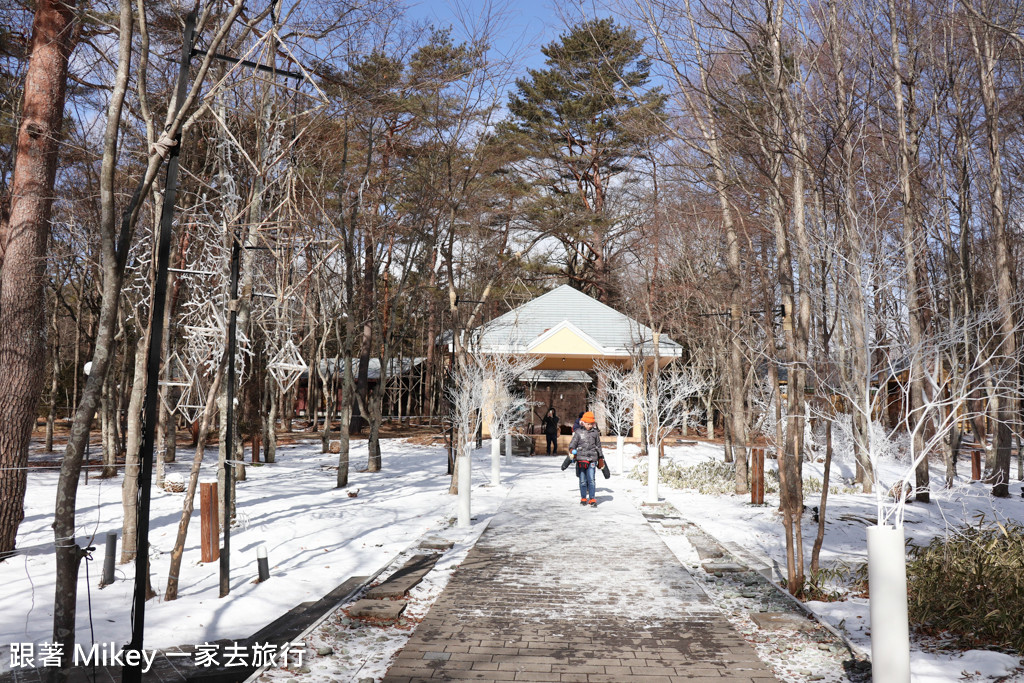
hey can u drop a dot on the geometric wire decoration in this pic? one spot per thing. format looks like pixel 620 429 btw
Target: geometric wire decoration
pixel 184 394
pixel 287 366
pixel 518 294
pixel 192 402
pixel 204 341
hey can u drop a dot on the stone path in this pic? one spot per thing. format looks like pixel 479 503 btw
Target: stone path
pixel 557 592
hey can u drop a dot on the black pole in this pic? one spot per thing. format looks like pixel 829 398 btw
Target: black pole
pixel 133 673
pixel 229 429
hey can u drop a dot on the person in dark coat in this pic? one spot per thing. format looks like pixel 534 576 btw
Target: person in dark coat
pixel 550 426
pixel 585 448
pixel 576 424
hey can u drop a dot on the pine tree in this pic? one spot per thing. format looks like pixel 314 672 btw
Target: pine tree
pixel 584 127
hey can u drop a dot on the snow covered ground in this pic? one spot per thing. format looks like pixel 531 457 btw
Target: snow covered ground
pixel 758 531
pixel 317 536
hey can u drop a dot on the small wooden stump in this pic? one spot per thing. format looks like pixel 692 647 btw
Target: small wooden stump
pixel 757 476
pixel 976 465
pixel 208 513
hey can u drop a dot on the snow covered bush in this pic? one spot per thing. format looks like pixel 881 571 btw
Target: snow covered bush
pixel 838 581
pixel 970 584
pixel 887 446
pixel 711 477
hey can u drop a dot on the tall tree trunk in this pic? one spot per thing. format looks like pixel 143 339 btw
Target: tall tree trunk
pixel 113 257
pixel 188 505
pixel 344 420
pixel 107 438
pixel 330 403
pixel 860 372
pixel 735 405
pixel 270 420
pixel 51 413
pixel 130 484
pixel 348 392
pixel 23 260
pixel 820 537
pixel 984 49
pixel 911 248
pixel 797 304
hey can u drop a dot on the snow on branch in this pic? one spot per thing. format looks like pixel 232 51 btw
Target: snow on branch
pixel 621 392
pixel 667 402
pixel 508 407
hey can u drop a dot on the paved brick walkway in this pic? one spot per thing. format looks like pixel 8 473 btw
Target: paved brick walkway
pixel 556 592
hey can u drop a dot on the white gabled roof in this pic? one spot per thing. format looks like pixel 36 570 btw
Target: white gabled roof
pixel 565 307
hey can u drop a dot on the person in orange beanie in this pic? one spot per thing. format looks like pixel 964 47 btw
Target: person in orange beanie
pixel 585 448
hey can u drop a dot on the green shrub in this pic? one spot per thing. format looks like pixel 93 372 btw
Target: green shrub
pixel 971 584
pixel 837 582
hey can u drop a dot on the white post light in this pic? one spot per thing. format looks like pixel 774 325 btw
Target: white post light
pixel 465 482
pixel 495 460
pixel 887 583
pixel 653 473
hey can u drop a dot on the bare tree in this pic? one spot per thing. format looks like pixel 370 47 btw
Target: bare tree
pixel 504 406
pixel 666 404
pixel 115 251
pixel 987 44
pixel 620 400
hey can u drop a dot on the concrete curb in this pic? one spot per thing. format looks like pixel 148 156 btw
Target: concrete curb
pixel 767 569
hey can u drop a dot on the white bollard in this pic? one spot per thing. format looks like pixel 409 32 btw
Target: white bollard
pixel 495 460
pixel 653 474
pixel 620 444
pixel 887 583
pixel 465 475
pixel 508 449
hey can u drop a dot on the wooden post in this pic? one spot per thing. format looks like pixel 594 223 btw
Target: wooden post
pixel 975 465
pixel 757 476
pixel 257 442
pixel 210 541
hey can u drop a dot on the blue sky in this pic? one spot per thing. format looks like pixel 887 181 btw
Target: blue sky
pixel 522 26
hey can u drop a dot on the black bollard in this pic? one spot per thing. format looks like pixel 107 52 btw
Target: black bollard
pixel 108 559
pixel 262 563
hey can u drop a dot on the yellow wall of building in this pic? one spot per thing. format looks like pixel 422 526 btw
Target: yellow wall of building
pixel 565 341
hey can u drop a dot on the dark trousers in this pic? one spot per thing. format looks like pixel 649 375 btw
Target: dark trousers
pixel 552 443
